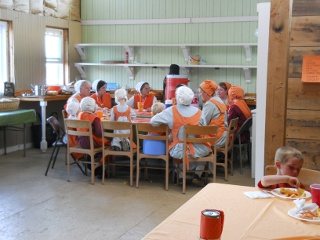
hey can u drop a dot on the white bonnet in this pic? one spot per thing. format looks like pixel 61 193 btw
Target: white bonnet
pixel 138 86
pixel 184 95
pixel 88 105
pixel 95 84
pixel 77 85
pixel 120 94
pixel 73 108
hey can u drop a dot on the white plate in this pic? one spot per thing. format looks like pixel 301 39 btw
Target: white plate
pixel 295 214
pixel 277 193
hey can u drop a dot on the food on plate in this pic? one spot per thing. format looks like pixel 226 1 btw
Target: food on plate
pixel 313 215
pixel 288 192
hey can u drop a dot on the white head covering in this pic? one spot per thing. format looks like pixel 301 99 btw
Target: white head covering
pixel 184 95
pixel 73 108
pixel 88 105
pixel 138 86
pixel 95 84
pixel 120 94
pixel 78 85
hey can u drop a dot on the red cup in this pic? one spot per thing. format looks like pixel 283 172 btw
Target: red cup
pixel 315 193
pixel 211 224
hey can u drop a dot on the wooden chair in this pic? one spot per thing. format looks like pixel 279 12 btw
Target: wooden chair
pixel 144 139
pixel 71 129
pixel 237 137
pixel 60 142
pixel 225 150
pixel 306 176
pixel 107 132
pixel 201 137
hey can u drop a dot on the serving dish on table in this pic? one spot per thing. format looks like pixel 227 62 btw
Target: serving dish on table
pixel 277 192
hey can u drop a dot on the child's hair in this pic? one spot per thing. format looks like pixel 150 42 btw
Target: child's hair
pixel 283 154
pixel 157 108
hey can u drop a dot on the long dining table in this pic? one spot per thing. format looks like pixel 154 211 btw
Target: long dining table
pixel 245 218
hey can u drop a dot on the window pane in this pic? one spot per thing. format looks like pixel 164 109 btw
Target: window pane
pixel 54 56
pixel 54 73
pixel 3 55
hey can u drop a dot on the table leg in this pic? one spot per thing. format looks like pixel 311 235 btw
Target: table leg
pixel 43 143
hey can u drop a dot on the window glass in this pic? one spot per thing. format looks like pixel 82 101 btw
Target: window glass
pixel 3 55
pixel 54 56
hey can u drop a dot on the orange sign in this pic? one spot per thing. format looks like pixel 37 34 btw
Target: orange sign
pixel 311 69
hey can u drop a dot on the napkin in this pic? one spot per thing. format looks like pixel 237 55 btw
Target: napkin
pixel 258 194
pixel 302 207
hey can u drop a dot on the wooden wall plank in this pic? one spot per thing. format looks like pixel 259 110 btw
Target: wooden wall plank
pixel 305 7
pixel 277 75
pixel 303 124
pixel 296 56
pixel 303 95
pixel 310 150
pixel 305 31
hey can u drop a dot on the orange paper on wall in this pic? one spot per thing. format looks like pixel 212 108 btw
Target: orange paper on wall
pixel 311 69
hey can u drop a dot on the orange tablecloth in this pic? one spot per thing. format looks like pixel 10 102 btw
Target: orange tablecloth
pixel 244 218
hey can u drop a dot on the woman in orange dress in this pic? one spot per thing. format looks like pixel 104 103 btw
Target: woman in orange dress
pixel 101 96
pixel 143 95
pixel 222 92
pixel 239 108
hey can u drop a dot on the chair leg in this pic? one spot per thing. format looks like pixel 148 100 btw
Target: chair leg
pixel 226 165
pixel 240 147
pixel 55 156
pixel 138 173
pixel 51 158
pixel 167 175
pixel 131 171
pixel 93 168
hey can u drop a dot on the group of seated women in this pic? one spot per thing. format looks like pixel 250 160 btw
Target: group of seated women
pixel 221 103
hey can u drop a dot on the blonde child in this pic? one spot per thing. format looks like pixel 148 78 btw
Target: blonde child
pixel 289 162
pixel 157 107
pixel 123 113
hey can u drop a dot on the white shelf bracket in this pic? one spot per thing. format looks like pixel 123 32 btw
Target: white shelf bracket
pixel 81 71
pixel 130 50
pixel 186 52
pixel 247 75
pixel 247 49
pixel 80 51
pixel 130 71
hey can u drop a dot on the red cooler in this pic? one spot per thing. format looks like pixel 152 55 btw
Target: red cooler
pixel 172 82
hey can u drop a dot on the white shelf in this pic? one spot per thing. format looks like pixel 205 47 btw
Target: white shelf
pixel 185 50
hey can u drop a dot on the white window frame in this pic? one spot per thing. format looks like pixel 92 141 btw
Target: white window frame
pixel 4 57
pixel 55 64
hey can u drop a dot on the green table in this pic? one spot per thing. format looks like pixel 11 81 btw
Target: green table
pixel 9 119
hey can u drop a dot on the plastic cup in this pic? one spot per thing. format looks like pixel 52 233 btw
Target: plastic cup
pixel 140 106
pixel 99 113
pixel 315 193
pixel 168 103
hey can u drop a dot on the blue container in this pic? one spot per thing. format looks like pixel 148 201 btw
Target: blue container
pixel 154 147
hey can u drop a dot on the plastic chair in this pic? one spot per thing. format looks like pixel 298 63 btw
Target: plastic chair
pixel 71 129
pixel 201 137
pixel 60 142
pixel 152 143
pixel 225 150
pixel 107 132
pixel 245 127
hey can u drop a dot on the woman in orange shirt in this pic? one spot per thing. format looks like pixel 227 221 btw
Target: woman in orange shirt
pixel 143 95
pixel 102 98
pixel 222 92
